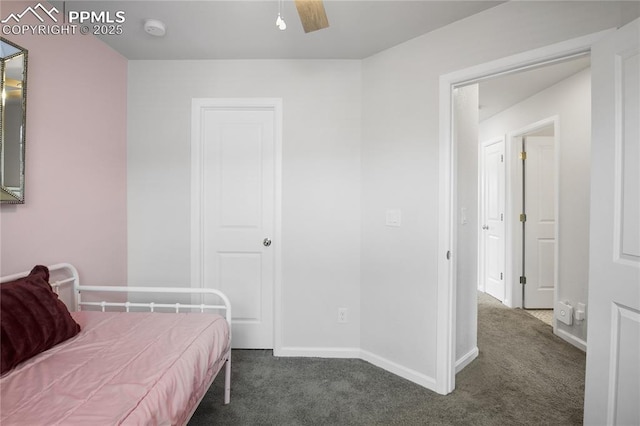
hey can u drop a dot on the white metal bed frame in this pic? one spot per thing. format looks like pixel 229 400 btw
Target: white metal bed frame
pixel 71 277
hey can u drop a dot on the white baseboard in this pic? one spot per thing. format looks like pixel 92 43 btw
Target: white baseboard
pixel 399 370
pixel 357 353
pixel 570 338
pixel 466 359
pixel 318 352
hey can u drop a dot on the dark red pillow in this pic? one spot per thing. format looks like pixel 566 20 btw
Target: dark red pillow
pixel 32 318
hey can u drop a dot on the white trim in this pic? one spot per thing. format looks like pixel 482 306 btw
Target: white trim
pixel 570 338
pixel 357 353
pixel 318 352
pixel 466 359
pixel 399 370
pixel 446 315
pixel 275 105
pixel 529 59
pixel 277 279
pixel 480 254
pixel 514 245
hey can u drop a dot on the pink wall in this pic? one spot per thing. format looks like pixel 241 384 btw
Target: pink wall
pixel 76 195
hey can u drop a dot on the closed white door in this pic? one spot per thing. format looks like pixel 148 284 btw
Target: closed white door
pixel 540 225
pixel 236 161
pixel 612 389
pixel 492 190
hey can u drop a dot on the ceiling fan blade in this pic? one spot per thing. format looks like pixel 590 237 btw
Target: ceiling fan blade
pixel 312 15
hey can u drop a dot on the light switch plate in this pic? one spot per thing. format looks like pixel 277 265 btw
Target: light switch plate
pixel 463 216
pixel 394 217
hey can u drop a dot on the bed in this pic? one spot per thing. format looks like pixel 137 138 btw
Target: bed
pixel 106 356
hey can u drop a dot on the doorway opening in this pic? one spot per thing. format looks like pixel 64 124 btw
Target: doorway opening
pixel 520 169
pixel 518 194
pixel 517 252
pixel 458 310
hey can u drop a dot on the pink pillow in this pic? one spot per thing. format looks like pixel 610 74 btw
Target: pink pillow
pixel 32 318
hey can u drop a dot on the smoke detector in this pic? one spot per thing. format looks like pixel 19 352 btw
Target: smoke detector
pixel 155 27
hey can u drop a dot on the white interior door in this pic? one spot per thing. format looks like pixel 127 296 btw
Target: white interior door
pixel 492 199
pixel 236 160
pixel 540 225
pixel 612 391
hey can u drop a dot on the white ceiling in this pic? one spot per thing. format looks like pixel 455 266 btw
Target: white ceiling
pixel 245 29
pixel 500 93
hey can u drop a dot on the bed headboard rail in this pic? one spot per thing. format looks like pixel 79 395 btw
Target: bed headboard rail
pixel 65 274
pixel 61 274
pixel 152 306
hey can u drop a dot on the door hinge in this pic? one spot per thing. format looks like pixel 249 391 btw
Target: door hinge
pixel 501 158
pixel 523 155
pixel 501 217
pixel 523 280
pixel 500 275
pixel 523 217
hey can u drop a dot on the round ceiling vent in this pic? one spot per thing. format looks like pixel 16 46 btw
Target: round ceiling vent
pixel 154 27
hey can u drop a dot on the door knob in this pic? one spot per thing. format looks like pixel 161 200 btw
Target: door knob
pixel 266 242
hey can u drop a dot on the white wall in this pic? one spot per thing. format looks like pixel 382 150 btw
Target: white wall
pixel 465 132
pixel 360 137
pixel 320 184
pixel 570 100
pixel 400 162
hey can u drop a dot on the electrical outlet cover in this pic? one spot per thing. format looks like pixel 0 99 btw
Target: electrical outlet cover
pixel 342 315
pixel 564 313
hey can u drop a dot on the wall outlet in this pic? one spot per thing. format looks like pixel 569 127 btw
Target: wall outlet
pixel 564 312
pixel 342 315
pixel 581 312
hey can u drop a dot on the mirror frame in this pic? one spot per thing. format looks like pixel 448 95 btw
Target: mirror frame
pixel 7 195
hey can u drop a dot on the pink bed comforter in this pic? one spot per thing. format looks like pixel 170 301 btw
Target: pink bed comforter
pixel 123 368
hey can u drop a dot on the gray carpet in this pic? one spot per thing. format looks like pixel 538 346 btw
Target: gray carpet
pixel 524 375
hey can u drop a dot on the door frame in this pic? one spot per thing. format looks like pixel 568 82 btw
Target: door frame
pixel 513 191
pixel 447 225
pixel 197 262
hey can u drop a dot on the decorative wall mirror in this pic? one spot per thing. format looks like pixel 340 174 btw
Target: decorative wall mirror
pixel 13 117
